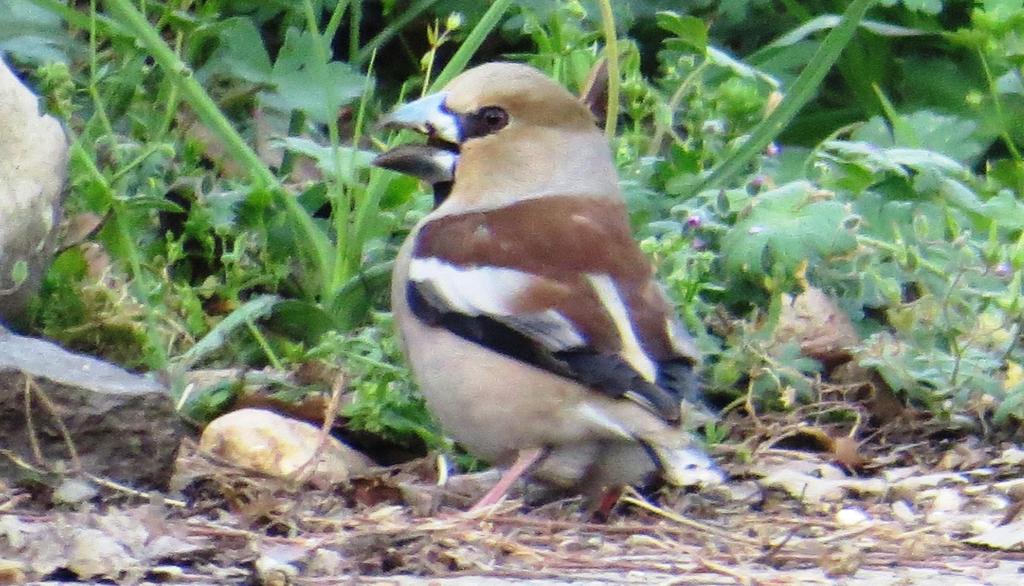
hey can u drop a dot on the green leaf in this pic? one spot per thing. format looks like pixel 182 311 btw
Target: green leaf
pixel 1012 405
pixel 301 320
pixel 688 30
pixel 303 83
pixel 785 227
pixel 240 53
pixel 1002 9
pixel 897 161
pixel 32 34
pixel 1006 209
pixel 350 160
pixel 953 136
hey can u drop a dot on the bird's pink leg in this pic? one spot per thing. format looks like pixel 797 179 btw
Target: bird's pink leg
pixel 605 504
pixel 524 461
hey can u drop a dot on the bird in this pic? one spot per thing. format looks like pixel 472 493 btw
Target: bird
pixel 533 323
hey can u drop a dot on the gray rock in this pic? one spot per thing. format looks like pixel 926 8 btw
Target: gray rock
pixel 33 164
pixel 123 426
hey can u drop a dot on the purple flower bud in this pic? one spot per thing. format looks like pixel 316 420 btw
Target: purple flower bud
pixel 694 221
pixel 772 150
pixel 1003 270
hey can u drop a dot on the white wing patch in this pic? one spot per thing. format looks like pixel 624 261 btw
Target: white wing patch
pixel 680 339
pixel 472 290
pixel 631 351
pixel 493 292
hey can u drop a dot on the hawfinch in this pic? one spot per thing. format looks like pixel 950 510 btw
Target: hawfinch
pixel 531 320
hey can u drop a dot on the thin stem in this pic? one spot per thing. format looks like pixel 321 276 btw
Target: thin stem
pixel 94 93
pixel 264 345
pixel 355 20
pixel 331 28
pixel 372 191
pixel 611 51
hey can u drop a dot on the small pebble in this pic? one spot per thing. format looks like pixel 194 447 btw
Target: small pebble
pixel 851 517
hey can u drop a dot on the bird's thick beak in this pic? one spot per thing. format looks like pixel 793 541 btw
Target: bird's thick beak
pixel 428 115
pixel 435 161
pixel 430 164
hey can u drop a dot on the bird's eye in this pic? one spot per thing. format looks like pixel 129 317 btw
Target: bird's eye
pixel 486 120
pixel 494 118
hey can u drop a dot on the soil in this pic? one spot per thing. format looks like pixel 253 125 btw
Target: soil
pixel 929 507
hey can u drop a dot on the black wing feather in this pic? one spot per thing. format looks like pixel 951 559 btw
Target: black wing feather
pixel 607 373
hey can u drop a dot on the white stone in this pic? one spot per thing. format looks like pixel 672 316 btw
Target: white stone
pixel 33 164
pixel 851 517
pixel 276 445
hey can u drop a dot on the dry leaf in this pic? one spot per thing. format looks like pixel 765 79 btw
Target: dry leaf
pixel 846 452
pixel 79 227
pixel 814 321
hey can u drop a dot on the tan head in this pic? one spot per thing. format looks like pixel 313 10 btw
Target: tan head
pixel 516 134
pixel 528 96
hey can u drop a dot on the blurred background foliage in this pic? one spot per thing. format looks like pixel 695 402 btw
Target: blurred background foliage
pixel 221 211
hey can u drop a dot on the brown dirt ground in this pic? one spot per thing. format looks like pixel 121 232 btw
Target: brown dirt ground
pixel 932 506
